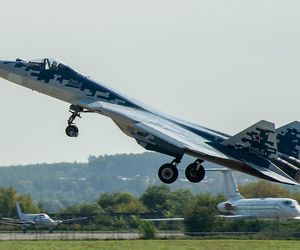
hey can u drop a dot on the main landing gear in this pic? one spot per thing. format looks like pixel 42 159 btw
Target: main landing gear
pixel 168 173
pixel 195 172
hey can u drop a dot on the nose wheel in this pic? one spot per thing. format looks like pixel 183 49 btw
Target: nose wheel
pixel 72 130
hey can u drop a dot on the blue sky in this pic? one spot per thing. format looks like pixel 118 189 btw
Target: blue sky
pixel 221 64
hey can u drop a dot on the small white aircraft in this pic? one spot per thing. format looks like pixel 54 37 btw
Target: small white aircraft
pixel 239 207
pixel 253 151
pixel 32 221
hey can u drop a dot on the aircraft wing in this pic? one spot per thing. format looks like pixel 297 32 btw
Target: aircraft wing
pixel 165 219
pixel 11 221
pixel 153 125
pixel 73 220
pixel 232 217
pixel 152 130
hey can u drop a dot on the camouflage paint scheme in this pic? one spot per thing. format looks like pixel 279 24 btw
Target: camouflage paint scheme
pixel 252 151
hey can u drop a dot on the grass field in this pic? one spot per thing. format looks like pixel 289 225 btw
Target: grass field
pixel 152 244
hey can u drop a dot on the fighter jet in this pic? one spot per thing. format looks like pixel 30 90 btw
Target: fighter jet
pixel 238 207
pixel 253 151
pixel 32 221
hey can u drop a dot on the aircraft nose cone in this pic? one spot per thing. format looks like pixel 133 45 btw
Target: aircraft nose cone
pixel 298 210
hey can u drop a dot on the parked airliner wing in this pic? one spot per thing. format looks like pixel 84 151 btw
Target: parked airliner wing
pixel 15 222
pixel 66 221
pixel 236 217
pixel 4 220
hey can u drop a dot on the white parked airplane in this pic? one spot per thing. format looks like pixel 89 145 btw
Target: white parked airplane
pixel 253 151
pixel 239 207
pixel 32 221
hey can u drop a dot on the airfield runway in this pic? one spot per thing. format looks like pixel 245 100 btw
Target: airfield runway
pixel 79 235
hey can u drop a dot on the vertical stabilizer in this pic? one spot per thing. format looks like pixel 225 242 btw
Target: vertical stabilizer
pixel 258 139
pixel 231 186
pixel 19 211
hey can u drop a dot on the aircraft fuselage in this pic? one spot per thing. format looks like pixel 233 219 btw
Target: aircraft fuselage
pixel 170 135
pixel 283 208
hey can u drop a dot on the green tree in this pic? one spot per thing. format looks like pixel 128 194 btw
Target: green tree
pixel 8 199
pixel 267 189
pixel 120 202
pixel 181 198
pixel 90 208
pixel 147 229
pixel 201 214
pixel 27 204
pixel 159 199
pixel 263 189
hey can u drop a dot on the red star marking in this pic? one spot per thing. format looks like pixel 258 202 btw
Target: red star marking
pixel 257 138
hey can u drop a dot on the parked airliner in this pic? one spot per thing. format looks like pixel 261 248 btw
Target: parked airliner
pixel 255 208
pixel 253 151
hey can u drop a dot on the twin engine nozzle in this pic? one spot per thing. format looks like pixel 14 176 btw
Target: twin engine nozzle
pixel 289 165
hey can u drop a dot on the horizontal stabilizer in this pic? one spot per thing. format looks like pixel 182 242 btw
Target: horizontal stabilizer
pixel 73 220
pixel 258 139
pixel 288 139
pixel 165 219
pixel 232 217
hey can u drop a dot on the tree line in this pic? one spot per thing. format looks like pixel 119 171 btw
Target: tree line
pixel 125 211
pixel 59 185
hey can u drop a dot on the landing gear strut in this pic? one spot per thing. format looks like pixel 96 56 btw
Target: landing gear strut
pixel 195 172
pixel 72 130
pixel 168 173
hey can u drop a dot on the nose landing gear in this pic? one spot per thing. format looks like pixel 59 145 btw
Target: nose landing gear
pixel 72 130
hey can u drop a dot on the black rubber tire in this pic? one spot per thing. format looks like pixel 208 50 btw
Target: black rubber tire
pixel 168 173
pixel 72 131
pixel 193 174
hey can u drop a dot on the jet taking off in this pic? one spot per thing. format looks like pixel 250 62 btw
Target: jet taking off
pixel 32 221
pixel 238 207
pixel 253 151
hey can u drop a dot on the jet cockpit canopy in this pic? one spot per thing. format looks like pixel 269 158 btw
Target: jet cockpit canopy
pixel 46 63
